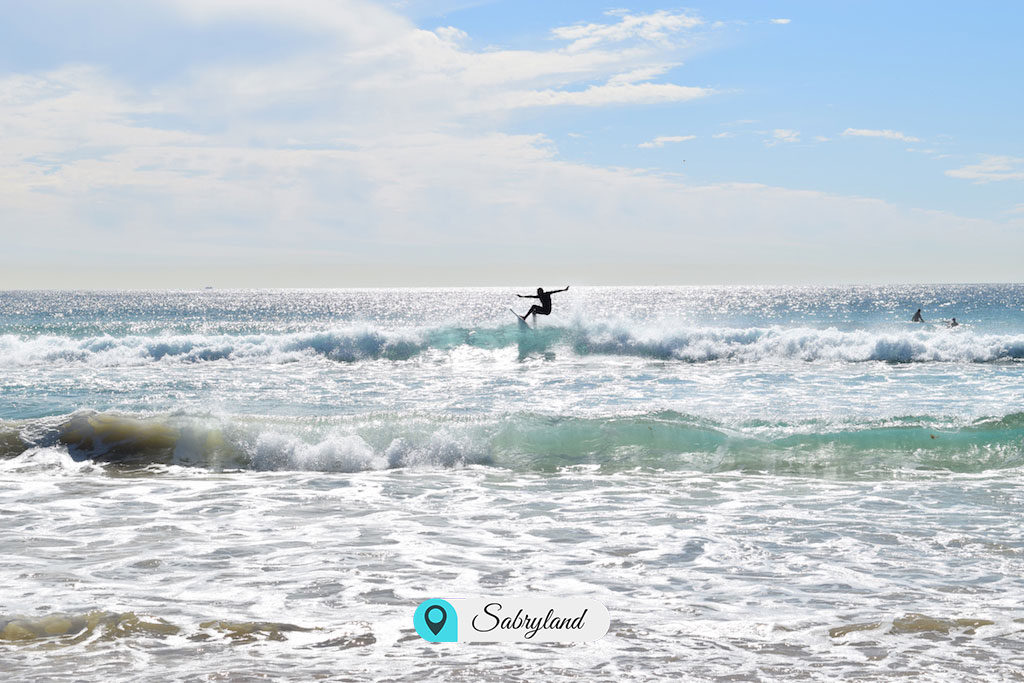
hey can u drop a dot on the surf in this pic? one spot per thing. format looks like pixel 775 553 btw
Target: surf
pixel 528 442
pixel 690 344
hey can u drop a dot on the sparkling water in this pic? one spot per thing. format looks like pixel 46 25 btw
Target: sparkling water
pixel 757 482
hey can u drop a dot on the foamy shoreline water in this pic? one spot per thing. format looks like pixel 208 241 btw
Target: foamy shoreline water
pixel 713 575
pixel 757 482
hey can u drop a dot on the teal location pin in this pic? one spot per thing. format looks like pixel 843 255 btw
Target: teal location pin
pixel 435 620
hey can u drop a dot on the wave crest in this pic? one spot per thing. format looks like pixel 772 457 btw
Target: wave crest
pixel 655 441
pixel 694 345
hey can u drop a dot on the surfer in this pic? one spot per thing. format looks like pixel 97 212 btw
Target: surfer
pixel 544 307
pixel 954 323
pixel 917 317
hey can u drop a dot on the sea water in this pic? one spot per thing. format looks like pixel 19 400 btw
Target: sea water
pixel 756 482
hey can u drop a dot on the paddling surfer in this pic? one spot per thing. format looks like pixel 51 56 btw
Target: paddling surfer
pixel 544 307
pixel 917 317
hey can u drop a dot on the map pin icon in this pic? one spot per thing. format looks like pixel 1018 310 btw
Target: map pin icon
pixel 435 625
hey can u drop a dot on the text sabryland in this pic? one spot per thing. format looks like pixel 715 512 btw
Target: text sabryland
pixel 524 621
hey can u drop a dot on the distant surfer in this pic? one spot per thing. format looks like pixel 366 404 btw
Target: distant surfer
pixel 954 323
pixel 544 307
pixel 917 317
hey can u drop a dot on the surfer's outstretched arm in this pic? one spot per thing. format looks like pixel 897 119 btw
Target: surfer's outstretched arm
pixel 556 291
pixel 527 296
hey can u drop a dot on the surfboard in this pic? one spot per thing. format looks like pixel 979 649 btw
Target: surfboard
pixel 523 325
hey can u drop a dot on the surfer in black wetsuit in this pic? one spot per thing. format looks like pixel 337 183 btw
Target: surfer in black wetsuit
pixel 917 317
pixel 544 307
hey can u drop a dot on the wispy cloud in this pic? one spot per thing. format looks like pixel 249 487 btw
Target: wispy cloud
pixel 438 72
pixel 719 136
pixel 991 169
pixel 658 26
pixel 887 134
pixel 451 34
pixel 783 135
pixel 661 141
pixel 594 96
pixel 640 75
pixel 780 21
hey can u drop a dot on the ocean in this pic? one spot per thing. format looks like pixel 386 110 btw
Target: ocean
pixel 757 482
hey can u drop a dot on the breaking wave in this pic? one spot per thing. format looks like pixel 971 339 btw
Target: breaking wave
pixel 695 345
pixel 524 442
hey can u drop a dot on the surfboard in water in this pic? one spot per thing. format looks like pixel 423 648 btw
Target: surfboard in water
pixel 523 325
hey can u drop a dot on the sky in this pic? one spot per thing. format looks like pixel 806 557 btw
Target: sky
pixel 346 143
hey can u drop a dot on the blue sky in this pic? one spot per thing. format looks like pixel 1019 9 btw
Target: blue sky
pixel 347 143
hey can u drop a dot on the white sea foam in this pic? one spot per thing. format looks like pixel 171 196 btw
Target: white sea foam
pixel 340 345
pixel 696 345
pixel 804 344
pixel 51 460
pixel 276 574
pixel 342 453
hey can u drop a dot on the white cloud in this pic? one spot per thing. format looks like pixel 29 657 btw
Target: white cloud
pixel 451 34
pixel 357 19
pixel 719 136
pixel 391 203
pixel 411 77
pixel 339 142
pixel 784 135
pixel 62 130
pixel 595 95
pixel 887 134
pixel 661 141
pixel 655 27
pixel 992 168
pixel 639 75
pixel 780 21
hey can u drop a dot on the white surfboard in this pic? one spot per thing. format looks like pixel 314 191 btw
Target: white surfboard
pixel 523 325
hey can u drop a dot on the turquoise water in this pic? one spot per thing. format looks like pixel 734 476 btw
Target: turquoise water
pixel 756 481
